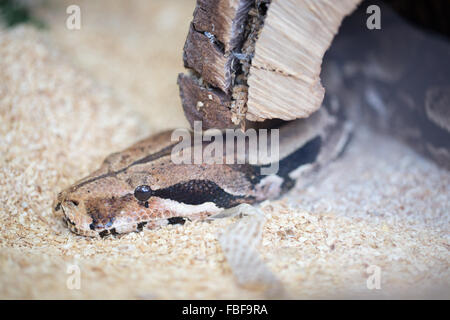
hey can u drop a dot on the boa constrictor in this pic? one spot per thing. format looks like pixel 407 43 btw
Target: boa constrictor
pixel 142 187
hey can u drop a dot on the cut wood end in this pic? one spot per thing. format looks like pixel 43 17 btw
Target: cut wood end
pixel 288 99
pixel 284 80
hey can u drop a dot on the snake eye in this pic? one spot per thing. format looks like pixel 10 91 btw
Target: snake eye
pixel 143 193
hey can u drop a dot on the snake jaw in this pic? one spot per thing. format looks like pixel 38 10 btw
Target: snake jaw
pixel 76 222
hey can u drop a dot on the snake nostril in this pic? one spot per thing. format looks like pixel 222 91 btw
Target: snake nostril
pixel 74 202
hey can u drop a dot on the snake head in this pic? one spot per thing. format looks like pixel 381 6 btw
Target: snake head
pixel 99 207
pixel 107 204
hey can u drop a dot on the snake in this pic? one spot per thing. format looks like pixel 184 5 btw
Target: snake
pixel 142 188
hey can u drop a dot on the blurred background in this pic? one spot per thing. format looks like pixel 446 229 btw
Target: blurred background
pixel 134 47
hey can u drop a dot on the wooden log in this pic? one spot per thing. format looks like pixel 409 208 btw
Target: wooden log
pixel 263 55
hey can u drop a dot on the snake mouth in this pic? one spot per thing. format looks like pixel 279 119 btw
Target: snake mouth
pixel 108 232
pixel 71 225
pixel 140 227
